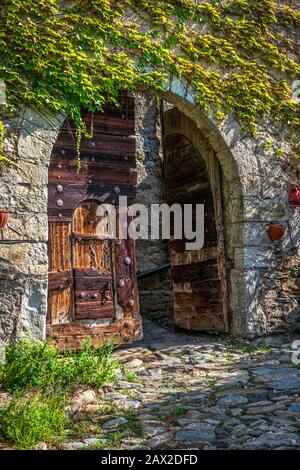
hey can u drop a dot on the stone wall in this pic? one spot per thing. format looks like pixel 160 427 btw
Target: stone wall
pixel 266 273
pixel 23 242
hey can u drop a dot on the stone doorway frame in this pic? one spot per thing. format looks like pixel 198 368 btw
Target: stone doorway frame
pixel 32 136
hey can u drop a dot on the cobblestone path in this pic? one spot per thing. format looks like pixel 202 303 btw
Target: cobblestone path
pixel 184 392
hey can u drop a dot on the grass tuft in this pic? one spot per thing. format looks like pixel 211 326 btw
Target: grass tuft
pixel 179 411
pixel 41 380
pixel 28 420
pixel 131 376
pixel 33 364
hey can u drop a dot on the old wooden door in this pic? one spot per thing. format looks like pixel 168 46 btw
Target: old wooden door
pixel 92 277
pixel 192 176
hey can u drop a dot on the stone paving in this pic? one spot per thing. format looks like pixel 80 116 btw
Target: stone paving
pixel 175 391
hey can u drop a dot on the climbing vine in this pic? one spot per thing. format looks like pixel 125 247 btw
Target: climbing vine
pixel 235 54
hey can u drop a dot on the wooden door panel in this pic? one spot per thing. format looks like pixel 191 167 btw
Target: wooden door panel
pixel 75 193
pixel 99 173
pixel 92 264
pixel 93 294
pixel 126 275
pixel 91 254
pixel 60 304
pixel 60 274
pixel 199 318
pixel 89 310
pixel 196 272
pixel 60 252
pixel 60 280
pixel 213 167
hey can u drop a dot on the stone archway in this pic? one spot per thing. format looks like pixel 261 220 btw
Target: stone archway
pixel 249 205
pixel 234 172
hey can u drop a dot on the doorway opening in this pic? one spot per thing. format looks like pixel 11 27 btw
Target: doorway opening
pixel 188 290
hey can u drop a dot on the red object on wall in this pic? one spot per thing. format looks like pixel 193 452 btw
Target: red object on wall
pixel 294 196
pixel 276 231
pixel 4 215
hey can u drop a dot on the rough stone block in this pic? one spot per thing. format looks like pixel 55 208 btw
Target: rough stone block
pixel 24 197
pixel 253 257
pixel 33 309
pixel 26 226
pixel 29 259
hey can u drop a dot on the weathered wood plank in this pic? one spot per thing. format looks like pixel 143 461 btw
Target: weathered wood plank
pixel 60 306
pixel 71 335
pixel 59 280
pixel 73 194
pixel 193 256
pixel 87 311
pixel 195 272
pixel 102 174
pixel 214 172
pixel 60 274
pixel 59 247
pixel 101 143
pixel 66 157
pixel 199 319
pixel 106 125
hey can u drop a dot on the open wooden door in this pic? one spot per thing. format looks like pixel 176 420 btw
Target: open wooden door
pixel 192 176
pixel 92 277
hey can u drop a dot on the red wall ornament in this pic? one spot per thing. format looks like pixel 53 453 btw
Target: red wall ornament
pixel 276 231
pixel 294 197
pixel 4 215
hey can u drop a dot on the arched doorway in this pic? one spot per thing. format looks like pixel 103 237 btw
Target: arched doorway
pixel 251 313
pixel 92 290
pixel 192 176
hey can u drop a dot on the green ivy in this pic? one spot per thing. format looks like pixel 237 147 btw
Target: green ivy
pixel 65 55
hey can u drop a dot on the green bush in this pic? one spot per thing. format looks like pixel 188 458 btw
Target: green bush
pixel 29 420
pixel 41 379
pixel 34 364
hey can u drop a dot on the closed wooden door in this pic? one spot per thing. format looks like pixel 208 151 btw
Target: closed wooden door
pixel 92 276
pixel 192 175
